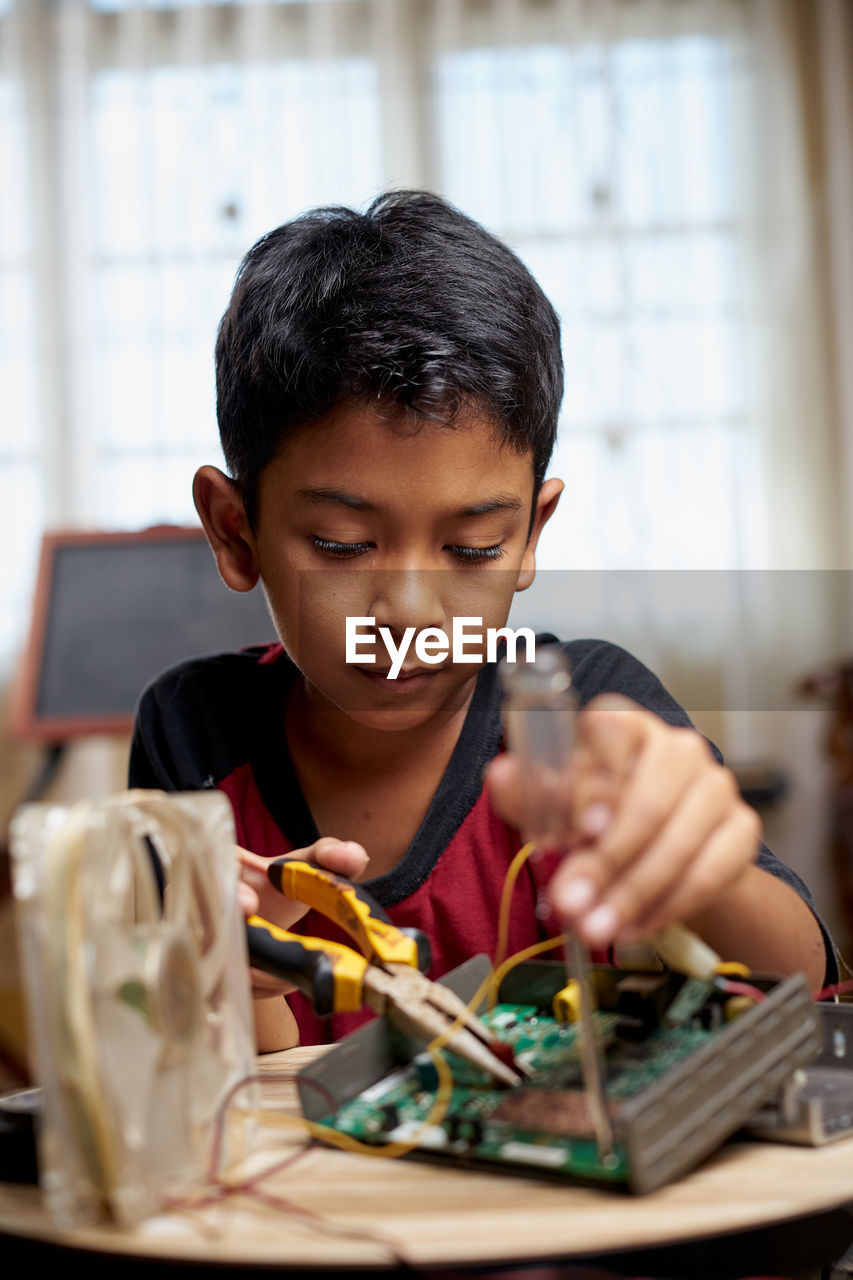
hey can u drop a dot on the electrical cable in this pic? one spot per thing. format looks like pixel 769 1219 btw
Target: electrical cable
pixel 487 990
pixel 507 889
pixel 834 989
pixel 736 988
pixel 221 1187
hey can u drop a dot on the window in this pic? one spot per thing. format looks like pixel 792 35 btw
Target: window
pixel 150 144
pixel 21 492
pixel 612 169
pixel 184 180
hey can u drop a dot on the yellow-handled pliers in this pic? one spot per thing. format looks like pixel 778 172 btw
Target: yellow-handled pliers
pixel 385 976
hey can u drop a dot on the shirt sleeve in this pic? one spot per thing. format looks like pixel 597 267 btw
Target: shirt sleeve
pixel 192 723
pixel 151 764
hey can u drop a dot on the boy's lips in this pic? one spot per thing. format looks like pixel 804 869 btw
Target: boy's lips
pixel 409 676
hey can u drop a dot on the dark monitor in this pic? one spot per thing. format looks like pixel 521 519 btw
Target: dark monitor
pixel 113 610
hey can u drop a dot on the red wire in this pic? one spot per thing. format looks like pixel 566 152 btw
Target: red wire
pixel 833 990
pixel 743 989
pixel 746 989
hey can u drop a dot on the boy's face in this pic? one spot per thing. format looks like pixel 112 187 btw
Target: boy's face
pixel 363 516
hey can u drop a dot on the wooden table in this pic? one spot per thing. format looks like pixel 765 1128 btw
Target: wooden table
pixel 336 1210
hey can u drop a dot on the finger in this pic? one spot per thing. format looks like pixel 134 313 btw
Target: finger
pixel 251 860
pixel 662 863
pixel 247 898
pixel 732 848
pixel 267 902
pixel 612 733
pixel 665 770
pixel 253 875
pixel 503 786
pixel 595 794
pixel 607 743
pixel 535 798
pixel 575 887
pixel 265 984
pixel 344 857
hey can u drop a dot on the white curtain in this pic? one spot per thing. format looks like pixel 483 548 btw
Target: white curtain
pixel 654 161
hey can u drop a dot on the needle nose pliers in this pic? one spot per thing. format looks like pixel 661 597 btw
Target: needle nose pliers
pixel 386 975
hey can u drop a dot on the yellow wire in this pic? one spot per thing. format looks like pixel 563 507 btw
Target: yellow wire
pixel 487 990
pixel 497 976
pixel 390 1150
pixel 506 898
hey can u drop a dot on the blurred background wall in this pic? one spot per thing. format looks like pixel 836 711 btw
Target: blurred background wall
pixel 677 173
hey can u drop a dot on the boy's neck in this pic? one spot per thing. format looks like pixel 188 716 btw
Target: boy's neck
pixel 323 731
pixel 370 785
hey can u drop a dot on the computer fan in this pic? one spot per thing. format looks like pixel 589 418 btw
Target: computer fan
pixel 136 976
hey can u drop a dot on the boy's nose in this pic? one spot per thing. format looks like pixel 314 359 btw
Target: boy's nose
pixel 408 598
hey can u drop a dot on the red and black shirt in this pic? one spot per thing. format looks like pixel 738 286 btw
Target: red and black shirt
pixel 219 722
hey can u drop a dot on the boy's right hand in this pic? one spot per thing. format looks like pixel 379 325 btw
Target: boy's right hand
pixel 257 896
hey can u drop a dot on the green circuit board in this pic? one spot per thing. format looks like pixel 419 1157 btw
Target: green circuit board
pixel 544 1124
pixel 685 1064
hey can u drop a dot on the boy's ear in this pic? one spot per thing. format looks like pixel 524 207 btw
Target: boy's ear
pixel 223 515
pixel 546 502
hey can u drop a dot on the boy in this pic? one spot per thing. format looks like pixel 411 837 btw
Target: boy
pixel 387 394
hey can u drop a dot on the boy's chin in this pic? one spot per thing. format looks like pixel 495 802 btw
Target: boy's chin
pixel 411 716
pixel 375 701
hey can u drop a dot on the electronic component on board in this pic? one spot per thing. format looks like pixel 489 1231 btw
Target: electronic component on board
pixel 674 1092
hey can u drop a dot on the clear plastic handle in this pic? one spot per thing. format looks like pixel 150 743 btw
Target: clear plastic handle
pixel 539 719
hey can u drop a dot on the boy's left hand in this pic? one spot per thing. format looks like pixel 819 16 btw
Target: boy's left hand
pixel 656 827
pixel 256 894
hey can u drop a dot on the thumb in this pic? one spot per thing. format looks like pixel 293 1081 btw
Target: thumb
pixel 611 731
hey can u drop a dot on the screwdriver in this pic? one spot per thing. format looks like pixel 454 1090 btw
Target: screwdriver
pixel 539 718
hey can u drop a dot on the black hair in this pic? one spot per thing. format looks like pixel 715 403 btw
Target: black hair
pixel 411 303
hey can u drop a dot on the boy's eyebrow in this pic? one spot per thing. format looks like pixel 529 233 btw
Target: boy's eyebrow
pixel 336 495
pixel 500 502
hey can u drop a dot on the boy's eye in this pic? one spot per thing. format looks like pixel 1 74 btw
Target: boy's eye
pixel 346 550
pixel 342 549
pixel 476 553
